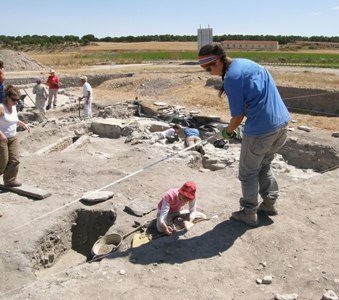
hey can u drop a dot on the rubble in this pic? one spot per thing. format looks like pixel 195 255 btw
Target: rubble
pixel 329 295
pixel 304 128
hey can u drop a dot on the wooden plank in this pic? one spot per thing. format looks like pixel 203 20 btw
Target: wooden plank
pixel 27 190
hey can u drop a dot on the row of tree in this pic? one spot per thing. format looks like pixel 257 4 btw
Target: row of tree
pixel 44 40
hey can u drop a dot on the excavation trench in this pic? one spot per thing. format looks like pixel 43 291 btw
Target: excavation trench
pixel 310 155
pixel 71 241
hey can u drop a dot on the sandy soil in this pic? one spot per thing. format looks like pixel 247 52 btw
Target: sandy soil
pixel 216 259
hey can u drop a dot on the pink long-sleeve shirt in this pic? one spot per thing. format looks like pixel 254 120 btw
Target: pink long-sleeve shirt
pixel 171 203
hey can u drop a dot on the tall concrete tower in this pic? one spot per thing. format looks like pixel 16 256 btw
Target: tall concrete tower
pixel 205 36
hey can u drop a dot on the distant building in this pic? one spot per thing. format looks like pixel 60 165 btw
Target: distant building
pixel 205 36
pixel 321 44
pixel 251 45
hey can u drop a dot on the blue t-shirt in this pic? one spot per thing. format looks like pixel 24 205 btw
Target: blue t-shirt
pixel 191 132
pixel 251 91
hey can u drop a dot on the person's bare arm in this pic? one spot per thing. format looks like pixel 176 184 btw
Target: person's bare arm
pixel 234 123
pixel 3 138
pixel 2 76
pixel 24 125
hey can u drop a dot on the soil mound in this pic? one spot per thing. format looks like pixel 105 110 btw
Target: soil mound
pixel 18 61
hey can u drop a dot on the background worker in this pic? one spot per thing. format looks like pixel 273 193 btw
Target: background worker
pixel 2 79
pixel 87 94
pixel 41 95
pixel 170 205
pixel 251 92
pixel 170 135
pixel 192 137
pixel 9 145
pixel 53 88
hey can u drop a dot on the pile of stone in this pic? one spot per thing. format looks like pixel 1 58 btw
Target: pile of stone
pixel 18 61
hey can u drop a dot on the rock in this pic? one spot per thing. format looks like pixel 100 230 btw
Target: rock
pixel 294 121
pixel 335 134
pixel 158 103
pixel 286 297
pixel 79 132
pixel 304 128
pixel 290 129
pixel 140 207
pixel 97 196
pixel 263 263
pixel 258 281
pixel 293 139
pixel 194 112
pixel 329 295
pixel 122 272
pixel 267 280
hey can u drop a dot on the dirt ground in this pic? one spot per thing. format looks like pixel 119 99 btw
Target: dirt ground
pixel 216 259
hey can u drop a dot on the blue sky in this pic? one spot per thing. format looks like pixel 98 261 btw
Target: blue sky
pixel 143 17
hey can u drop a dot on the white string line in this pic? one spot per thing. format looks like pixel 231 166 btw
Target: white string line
pixel 108 185
pixel 311 95
pixel 108 254
pixel 313 111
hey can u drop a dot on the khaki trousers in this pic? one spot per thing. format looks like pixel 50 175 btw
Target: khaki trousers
pixel 255 172
pixel 52 93
pixel 9 159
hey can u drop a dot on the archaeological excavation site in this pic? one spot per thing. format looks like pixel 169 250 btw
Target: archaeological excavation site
pixel 84 222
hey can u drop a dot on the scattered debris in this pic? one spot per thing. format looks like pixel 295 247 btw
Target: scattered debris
pixel 194 112
pixel 157 103
pixel 286 297
pixel 122 272
pixel 267 280
pixel 329 295
pixel 335 134
pixel 304 128
pixel 263 263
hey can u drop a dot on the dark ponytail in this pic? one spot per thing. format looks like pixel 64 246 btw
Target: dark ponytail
pixel 217 49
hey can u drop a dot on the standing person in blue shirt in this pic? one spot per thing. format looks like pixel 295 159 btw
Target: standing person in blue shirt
pixel 251 93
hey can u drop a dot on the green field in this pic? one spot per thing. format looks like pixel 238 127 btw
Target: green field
pixel 307 59
pixel 103 57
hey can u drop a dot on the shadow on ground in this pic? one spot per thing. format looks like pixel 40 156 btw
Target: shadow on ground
pixel 173 250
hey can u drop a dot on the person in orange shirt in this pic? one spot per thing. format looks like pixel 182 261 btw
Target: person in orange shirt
pixel 53 85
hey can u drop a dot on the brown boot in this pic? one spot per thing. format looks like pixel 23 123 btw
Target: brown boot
pixel 246 216
pixel 12 184
pixel 268 207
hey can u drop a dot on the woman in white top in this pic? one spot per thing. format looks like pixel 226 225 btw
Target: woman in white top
pixel 9 145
